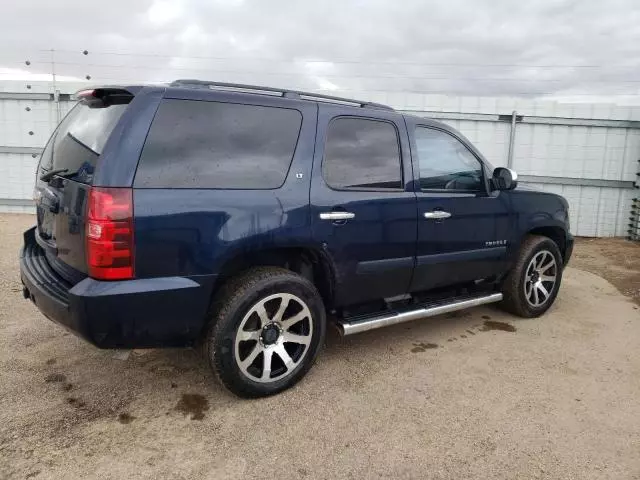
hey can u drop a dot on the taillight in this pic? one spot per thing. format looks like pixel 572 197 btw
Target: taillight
pixel 109 233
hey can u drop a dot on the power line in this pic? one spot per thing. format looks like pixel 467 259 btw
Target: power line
pixel 339 61
pixel 334 62
pixel 426 76
pixel 364 90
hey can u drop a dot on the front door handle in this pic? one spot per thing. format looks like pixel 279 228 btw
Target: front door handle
pixel 333 216
pixel 436 215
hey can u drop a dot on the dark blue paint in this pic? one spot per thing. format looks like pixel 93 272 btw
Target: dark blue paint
pixel 195 232
pixel 384 227
pixel 188 240
pixel 476 218
pixel 198 231
pixel 165 311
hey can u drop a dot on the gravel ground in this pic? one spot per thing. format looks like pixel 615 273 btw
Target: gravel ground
pixel 447 397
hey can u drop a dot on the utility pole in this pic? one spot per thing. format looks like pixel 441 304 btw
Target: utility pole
pixel 56 92
pixel 512 138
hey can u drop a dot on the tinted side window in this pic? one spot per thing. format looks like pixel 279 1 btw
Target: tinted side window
pixel 362 154
pixel 445 163
pixel 195 144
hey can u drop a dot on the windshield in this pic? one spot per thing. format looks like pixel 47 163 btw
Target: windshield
pixel 79 140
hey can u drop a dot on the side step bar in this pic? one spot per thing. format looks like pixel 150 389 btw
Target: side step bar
pixel 379 321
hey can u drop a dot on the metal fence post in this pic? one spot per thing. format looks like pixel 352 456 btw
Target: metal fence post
pixel 634 218
pixel 512 139
pixel 634 224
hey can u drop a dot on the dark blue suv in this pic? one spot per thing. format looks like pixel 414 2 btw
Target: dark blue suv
pixel 244 218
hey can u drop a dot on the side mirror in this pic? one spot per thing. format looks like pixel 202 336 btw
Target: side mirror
pixel 504 179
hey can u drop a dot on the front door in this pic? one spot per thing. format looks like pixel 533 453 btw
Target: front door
pixel 363 208
pixel 463 228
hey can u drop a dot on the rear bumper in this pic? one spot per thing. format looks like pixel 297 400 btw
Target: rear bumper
pixel 154 312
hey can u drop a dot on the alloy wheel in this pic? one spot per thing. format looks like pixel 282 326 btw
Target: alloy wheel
pixel 273 338
pixel 540 278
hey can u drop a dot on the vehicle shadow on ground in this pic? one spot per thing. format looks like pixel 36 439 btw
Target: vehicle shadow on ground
pixel 177 383
pixel 187 371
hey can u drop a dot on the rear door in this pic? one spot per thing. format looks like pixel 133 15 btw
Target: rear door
pixel 463 228
pixel 363 209
pixel 64 176
pixel 222 175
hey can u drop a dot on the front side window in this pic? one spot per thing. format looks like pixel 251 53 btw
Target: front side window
pixel 445 162
pixel 196 144
pixel 362 154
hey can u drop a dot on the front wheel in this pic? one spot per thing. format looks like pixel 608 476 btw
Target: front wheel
pixel 267 328
pixel 532 285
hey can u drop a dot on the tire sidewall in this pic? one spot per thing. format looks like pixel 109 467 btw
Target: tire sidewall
pixel 550 246
pixel 222 342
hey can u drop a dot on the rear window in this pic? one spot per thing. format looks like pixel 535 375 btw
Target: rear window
pixel 79 140
pixel 196 144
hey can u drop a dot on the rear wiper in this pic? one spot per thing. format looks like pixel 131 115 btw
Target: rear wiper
pixel 45 177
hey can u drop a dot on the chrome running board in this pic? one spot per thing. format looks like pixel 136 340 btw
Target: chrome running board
pixel 392 318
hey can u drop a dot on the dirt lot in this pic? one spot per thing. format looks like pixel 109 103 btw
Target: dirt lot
pixel 441 398
pixel 615 259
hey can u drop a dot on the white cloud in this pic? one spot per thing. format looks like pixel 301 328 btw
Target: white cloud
pixel 192 34
pixel 317 72
pixel 21 74
pixel 324 84
pixel 586 48
pixel 163 12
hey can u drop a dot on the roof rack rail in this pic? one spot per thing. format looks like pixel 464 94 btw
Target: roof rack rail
pixel 280 92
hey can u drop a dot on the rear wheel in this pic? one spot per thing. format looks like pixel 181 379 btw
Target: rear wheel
pixel 267 328
pixel 532 285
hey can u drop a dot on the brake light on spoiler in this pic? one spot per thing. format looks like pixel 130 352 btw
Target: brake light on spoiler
pixel 85 93
pixel 109 234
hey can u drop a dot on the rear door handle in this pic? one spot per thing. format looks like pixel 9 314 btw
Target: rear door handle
pixel 337 216
pixel 436 215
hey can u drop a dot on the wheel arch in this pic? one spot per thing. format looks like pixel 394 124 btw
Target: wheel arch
pixel 308 261
pixel 554 232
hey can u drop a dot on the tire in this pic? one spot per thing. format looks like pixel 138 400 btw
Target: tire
pixel 249 330
pixel 525 286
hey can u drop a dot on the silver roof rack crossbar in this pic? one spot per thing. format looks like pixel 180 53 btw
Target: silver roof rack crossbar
pixel 280 92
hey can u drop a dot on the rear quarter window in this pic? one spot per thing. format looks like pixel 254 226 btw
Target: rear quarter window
pixel 197 144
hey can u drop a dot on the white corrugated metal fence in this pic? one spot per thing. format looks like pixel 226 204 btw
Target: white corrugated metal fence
pixel 586 152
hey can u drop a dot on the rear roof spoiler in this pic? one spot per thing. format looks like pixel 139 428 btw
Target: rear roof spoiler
pixel 100 97
pixel 131 90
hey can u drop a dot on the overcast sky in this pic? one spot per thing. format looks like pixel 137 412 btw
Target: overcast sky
pixel 478 47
